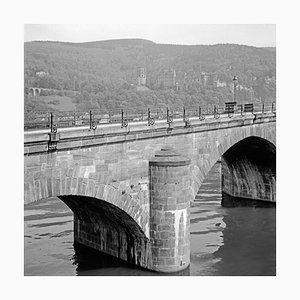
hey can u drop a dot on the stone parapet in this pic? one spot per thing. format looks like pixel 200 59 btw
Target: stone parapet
pixel 81 137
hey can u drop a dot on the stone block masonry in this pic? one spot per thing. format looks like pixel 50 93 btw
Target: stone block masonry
pixel 249 173
pixel 169 211
pixel 135 176
pixel 106 228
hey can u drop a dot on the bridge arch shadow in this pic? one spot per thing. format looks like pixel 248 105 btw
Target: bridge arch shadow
pixel 105 227
pixel 249 173
pixel 248 162
pixel 96 211
pixel 50 186
pixel 31 91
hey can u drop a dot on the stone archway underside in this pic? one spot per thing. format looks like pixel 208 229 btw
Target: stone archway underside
pixel 105 227
pixel 249 173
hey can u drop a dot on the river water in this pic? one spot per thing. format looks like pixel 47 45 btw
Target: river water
pixel 224 241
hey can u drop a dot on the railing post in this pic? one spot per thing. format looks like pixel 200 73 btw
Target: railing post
pixel 201 117
pixel 186 120
pixel 242 111
pixel 216 114
pixel 151 121
pixel 263 108
pixel 51 122
pixel 91 116
pixel 272 107
pixel 149 114
pixel 74 118
pixel 167 114
pixel 124 121
pixel 169 118
pixel 93 124
pixel 53 135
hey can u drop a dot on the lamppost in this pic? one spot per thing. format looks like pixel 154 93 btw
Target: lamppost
pixel 234 88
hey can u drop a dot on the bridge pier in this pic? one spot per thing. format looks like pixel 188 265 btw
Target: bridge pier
pixel 170 198
pixel 104 227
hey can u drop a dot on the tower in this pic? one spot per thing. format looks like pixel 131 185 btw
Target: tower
pixel 141 76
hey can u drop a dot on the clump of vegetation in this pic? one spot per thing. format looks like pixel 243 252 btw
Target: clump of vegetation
pixel 54 102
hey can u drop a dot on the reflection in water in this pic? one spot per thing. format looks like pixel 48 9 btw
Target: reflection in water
pixel 224 241
pixel 91 262
pixel 249 242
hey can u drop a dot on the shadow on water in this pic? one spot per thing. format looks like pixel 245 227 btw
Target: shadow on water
pixel 91 262
pixel 252 236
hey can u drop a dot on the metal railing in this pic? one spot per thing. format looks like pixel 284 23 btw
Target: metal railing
pixel 124 116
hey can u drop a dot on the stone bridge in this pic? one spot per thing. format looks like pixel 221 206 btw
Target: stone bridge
pixel 37 91
pixel 130 188
pixel 34 91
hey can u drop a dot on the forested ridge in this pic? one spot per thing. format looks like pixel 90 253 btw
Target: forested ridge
pixel 104 74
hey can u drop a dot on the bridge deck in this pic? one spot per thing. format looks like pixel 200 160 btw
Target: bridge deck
pixel 83 136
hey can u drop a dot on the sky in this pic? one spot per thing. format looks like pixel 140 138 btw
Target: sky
pixel 259 35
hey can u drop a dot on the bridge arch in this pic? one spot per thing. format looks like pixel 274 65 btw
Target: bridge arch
pixel 105 227
pixel 86 188
pixel 205 157
pixel 93 210
pixel 31 91
pixel 249 172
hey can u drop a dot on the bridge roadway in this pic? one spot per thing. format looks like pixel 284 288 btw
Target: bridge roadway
pixel 176 121
pixel 130 188
pixel 33 137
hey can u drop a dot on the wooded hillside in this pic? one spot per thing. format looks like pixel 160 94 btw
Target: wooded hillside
pixel 104 73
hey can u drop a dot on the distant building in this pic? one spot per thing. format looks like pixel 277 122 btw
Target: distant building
pixel 220 83
pixel 167 78
pixel 187 80
pixel 180 82
pixel 208 79
pixel 41 74
pixel 192 79
pixel 184 81
pixel 141 76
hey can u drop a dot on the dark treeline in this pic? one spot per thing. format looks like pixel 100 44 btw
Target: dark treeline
pixel 104 74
